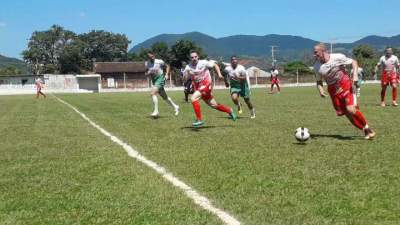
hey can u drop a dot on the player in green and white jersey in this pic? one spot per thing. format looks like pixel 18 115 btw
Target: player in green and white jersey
pixel 240 85
pixel 155 69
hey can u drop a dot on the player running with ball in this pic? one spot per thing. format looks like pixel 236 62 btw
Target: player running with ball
pixel 199 72
pixel 240 85
pixel 331 67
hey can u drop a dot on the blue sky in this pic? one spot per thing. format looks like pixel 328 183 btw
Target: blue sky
pixel 322 20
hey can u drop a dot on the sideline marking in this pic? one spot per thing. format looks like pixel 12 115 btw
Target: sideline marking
pixel 189 191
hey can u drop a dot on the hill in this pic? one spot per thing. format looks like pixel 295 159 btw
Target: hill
pixel 289 47
pixel 7 61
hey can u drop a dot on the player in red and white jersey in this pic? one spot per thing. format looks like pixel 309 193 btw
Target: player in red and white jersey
pixel 198 71
pixel 331 67
pixel 274 80
pixel 389 66
pixel 39 85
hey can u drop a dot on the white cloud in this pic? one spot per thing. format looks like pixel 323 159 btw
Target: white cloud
pixel 3 24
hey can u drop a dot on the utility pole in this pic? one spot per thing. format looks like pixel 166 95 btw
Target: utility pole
pixel 273 54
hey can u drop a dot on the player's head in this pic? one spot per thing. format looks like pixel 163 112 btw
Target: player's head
pixel 388 51
pixel 194 57
pixel 320 52
pixel 234 61
pixel 183 63
pixel 151 56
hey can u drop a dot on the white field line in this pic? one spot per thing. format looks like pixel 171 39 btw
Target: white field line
pixel 200 200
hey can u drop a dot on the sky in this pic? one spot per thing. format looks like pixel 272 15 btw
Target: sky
pixel 139 20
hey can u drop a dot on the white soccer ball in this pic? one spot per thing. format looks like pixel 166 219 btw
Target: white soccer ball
pixel 302 134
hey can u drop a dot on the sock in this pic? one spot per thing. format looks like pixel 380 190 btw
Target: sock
pixel 155 102
pixel 383 92
pixel 169 100
pixel 394 94
pixel 197 111
pixel 358 120
pixel 223 108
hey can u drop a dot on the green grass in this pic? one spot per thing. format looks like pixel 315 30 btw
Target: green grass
pixel 56 169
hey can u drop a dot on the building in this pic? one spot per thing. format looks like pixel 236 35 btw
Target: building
pixel 122 74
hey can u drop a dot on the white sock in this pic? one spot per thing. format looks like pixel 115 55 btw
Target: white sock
pixel 155 102
pixel 169 100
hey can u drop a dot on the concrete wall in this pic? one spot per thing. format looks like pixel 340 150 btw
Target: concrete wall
pixel 20 82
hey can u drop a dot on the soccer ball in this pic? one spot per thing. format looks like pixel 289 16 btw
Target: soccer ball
pixel 302 134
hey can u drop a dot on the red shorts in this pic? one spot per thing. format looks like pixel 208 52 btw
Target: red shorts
pixel 205 88
pixel 389 77
pixel 344 98
pixel 274 81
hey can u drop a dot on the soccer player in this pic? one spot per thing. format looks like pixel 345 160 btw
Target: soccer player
pixel 198 71
pixel 187 83
pixel 155 69
pixel 388 65
pixel 361 77
pixel 331 67
pixel 39 85
pixel 240 85
pixel 274 80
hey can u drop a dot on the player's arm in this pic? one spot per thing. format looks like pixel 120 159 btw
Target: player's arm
pixel 168 70
pixel 218 70
pixel 320 88
pixel 147 73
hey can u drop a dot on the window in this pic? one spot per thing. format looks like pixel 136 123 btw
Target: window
pixel 24 81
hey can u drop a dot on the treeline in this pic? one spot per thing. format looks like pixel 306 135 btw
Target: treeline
pixel 58 50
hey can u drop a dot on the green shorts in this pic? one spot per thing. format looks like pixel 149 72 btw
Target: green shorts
pixel 158 81
pixel 242 88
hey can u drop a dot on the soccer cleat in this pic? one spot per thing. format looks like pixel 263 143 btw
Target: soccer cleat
pixel 233 115
pixel 394 104
pixel 253 113
pixel 198 123
pixel 240 111
pixel 369 134
pixel 177 111
pixel 383 104
pixel 155 114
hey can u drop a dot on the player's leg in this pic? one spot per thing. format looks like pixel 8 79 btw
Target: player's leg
pixel 394 90
pixel 40 92
pixel 235 99
pixel 279 88
pixel 272 88
pixel 153 93
pixel 384 84
pixel 166 98
pixel 356 117
pixel 251 107
pixel 222 108
pixel 196 107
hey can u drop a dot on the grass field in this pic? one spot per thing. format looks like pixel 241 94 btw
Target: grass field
pixel 57 169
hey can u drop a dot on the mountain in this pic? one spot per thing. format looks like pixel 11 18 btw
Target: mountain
pixel 248 45
pixel 7 61
pixel 289 47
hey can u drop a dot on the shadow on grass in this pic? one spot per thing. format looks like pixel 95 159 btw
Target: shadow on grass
pixel 197 129
pixel 335 136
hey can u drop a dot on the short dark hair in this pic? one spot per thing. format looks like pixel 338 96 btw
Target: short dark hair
pixel 193 51
pixel 233 56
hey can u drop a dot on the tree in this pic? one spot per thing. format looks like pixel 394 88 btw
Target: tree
pixel 366 58
pixel 103 46
pixel 180 52
pixel 45 49
pixel 10 70
pixel 296 66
